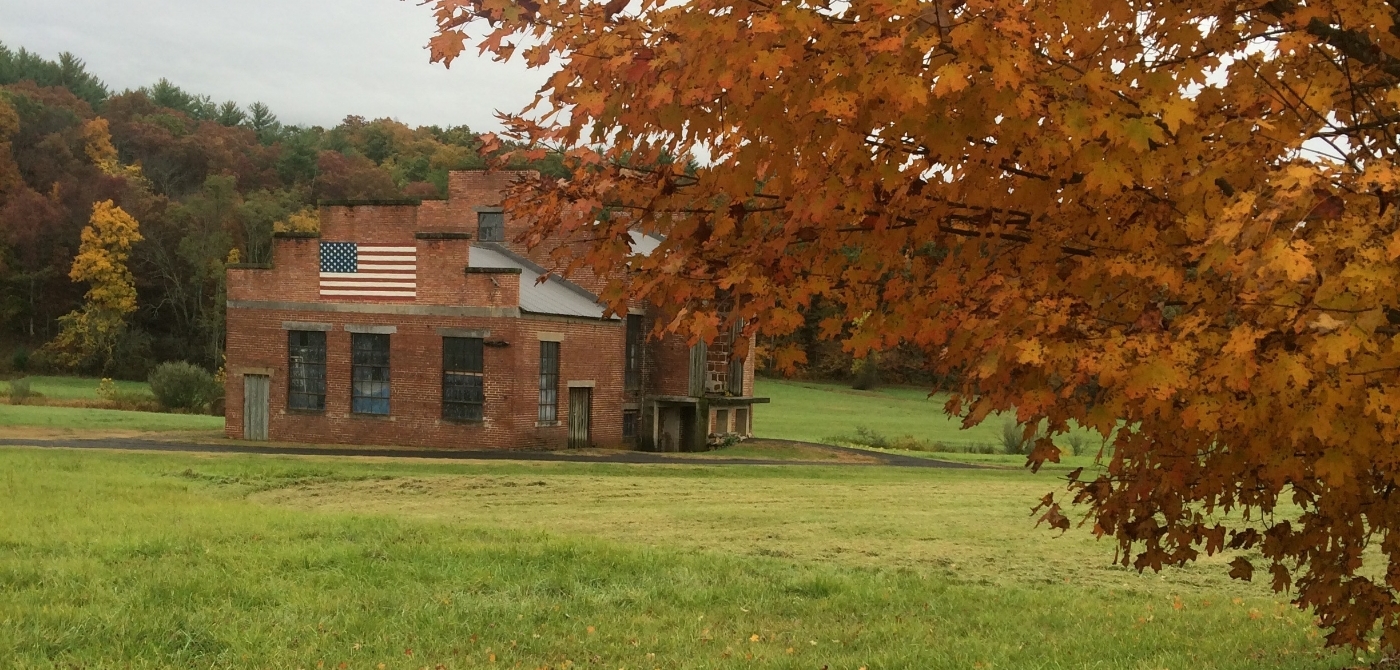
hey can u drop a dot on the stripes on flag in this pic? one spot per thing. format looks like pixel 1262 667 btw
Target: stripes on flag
pixel 351 269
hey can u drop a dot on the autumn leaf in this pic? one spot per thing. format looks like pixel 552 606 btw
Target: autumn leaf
pixel 1334 467
pixel 1241 569
pixel 1326 323
pixel 1177 112
pixel 1329 208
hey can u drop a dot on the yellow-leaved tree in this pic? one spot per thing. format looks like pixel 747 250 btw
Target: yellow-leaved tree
pixel 89 335
pixel 304 221
pixel 97 138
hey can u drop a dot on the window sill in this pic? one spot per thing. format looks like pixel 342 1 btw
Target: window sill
pixel 547 424
pixel 463 422
pixel 373 417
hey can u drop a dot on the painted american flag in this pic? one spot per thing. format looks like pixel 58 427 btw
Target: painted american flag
pixel 349 269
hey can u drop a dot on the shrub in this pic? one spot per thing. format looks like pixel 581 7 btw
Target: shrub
pixel 20 360
pixel 911 443
pixel 106 388
pixel 38 362
pixel 180 385
pixel 20 391
pixel 1076 442
pixel 1013 440
pixel 867 374
pixel 864 437
pixel 133 357
pixel 870 438
pixel 115 398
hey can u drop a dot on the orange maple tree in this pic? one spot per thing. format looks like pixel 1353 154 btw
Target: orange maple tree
pixel 1172 222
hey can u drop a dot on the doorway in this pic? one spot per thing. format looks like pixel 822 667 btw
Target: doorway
pixel 256 399
pixel 580 418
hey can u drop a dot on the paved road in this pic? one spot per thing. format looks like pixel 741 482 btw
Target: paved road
pixel 634 457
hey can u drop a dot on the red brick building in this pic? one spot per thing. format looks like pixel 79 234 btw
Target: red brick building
pixel 421 323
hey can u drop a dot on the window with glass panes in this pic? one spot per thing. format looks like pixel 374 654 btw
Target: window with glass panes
pixel 306 370
pixel 463 383
pixel 632 364
pixel 369 373
pixel 491 226
pixel 630 418
pixel 549 381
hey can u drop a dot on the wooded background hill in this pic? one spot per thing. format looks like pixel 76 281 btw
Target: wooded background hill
pixel 217 176
pixel 213 178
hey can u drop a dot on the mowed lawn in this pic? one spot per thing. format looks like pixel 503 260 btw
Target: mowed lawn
pixel 132 560
pixel 86 420
pixel 92 421
pixel 73 388
pixel 819 411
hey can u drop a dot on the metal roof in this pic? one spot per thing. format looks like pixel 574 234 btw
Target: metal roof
pixel 644 244
pixel 553 296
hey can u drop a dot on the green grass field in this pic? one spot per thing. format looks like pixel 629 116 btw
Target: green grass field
pixel 81 419
pixel 90 420
pixel 129 560
pixel 824 412
pixel 73 388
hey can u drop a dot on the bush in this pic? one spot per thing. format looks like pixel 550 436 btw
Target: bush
pixel 181 385
pixel 867 374
pixel 911 443
pixel 1076 442
pixel 133 358
pixel 38 361
pixel 1014 440
pixel 20 391
pixel 116 398
pixel 870 438
pixel 20 360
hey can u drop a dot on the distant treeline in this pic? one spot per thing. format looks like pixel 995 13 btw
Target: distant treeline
pixel 212 179
pixel 206 180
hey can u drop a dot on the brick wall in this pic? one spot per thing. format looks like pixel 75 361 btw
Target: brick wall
pixel 294 260
pixel 443 277
pixel 750 366
pixel 370 224
pixel 467 190
pixel 589 352
pixel 592 352
pixel 666 364
pixel 434 215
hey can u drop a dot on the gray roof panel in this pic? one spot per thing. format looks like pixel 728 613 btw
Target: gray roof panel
pixel 553 296
pixel 644 244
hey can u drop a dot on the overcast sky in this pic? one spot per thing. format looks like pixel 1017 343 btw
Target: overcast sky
pixel 312 61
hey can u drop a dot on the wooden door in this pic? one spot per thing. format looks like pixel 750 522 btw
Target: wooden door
pixel 256 398
pixel 736 363
pixel 699 369
pixel 580 418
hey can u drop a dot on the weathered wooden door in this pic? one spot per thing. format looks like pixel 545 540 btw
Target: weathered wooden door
pixel 256 398
pixel 580 417
pixel 736 363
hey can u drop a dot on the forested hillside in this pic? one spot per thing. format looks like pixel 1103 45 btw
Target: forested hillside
pixel 207 182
